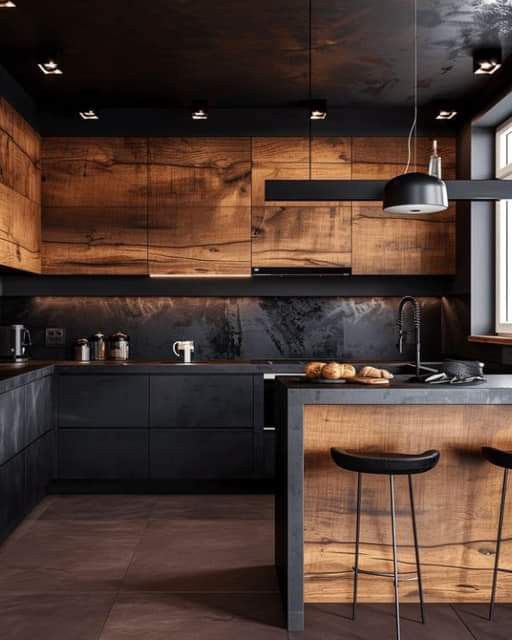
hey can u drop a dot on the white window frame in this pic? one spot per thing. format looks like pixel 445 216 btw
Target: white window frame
pixel 504 232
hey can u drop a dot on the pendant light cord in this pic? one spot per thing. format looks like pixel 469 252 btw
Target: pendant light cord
pixel 412 131
pixel 310 81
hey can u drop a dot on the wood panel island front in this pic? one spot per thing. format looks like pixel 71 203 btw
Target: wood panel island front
pixel 457 504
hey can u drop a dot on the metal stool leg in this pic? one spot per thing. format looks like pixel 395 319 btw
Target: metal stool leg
pixel 498 545
pixel 395 554
pixel 358 529
pixel 416 550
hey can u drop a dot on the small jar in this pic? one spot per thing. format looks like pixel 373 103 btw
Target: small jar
pixel 119 346
pixel 97 344
pixel 81 350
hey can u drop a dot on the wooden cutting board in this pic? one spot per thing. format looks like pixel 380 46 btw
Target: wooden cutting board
pixel 366 380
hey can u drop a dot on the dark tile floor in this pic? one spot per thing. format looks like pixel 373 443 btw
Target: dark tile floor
pixel 185 567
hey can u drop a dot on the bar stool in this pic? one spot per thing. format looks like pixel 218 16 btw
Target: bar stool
pixel 502 459
pixel 390 465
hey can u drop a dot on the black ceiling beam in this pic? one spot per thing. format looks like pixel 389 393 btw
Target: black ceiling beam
pixel 327 190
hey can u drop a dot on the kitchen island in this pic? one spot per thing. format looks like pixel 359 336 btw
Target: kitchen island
pixel 456 504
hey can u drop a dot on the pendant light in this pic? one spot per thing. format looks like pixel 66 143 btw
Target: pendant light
pixel 415 192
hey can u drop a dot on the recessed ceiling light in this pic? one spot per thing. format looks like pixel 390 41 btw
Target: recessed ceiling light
pixel 486 61
pixel 200 110
pixel 446 114
pixel 50 68
pixel 318 110
pixel 89 114
pixel 7 4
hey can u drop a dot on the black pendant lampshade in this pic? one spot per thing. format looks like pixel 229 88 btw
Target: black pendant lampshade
pixel 415 193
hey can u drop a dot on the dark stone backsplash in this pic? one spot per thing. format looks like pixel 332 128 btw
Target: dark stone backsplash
pixel 245 327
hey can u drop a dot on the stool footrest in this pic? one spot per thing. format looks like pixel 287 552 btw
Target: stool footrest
pixel 403 576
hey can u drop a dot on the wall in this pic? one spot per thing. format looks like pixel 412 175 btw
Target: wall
pixel 233 327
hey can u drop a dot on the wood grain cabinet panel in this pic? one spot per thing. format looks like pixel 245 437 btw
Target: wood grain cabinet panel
pixel 20 231
pixel 199 171
pixel 199 199
pixel 94 172
pixel 95 240
pixel 95 205
pixel 392 244
pixel 295 234
pixel 20 192
pixel 386 157
pixel 384 244
pixel 200 240
pixel 301 236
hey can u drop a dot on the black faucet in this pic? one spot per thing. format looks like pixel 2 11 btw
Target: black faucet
pixel 417 327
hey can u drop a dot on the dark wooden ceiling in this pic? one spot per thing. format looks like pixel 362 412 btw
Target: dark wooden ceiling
pixel 251 52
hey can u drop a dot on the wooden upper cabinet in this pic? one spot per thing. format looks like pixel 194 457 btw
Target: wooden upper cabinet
pixel 295 234
pixel 199 206
pixel 391 244
pixel 94 205
pixel 20 192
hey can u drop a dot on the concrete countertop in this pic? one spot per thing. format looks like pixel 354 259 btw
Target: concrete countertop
pixel 496 390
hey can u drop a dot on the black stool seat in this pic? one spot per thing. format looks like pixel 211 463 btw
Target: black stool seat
pixel 498 457
pixel 386 463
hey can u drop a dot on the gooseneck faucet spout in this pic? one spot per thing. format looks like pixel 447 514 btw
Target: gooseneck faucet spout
pixel 404 302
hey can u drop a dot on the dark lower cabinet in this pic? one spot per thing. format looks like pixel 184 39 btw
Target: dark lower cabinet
pixel 13 426
pixel 27 446
pixel 103 454
pixel 39 468
pixel 162 426
pixel 108 400
pixel 201 454
pixel 12 485
pixel 269 454
pixel 201 401
pixel 39 407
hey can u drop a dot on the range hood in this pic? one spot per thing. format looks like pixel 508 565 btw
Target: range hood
pixel 302 271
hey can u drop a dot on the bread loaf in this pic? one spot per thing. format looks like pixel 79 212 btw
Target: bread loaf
pixel 348 371
pixel 332 371
pixel 313 369
pixel 373 372
pixel 337 371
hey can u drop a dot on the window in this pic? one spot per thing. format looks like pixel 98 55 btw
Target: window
pixel 504 232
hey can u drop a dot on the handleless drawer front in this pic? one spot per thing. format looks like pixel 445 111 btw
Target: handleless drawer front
pixel 13 424
pixel 201 401
pixel 201 454
pixel 106 454
pixel 117 401
pixel 39 407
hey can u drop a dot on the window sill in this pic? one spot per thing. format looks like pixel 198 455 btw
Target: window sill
pixel 505 340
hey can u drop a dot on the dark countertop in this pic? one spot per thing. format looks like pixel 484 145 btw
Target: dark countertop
pixel 496 390
pixel 14 375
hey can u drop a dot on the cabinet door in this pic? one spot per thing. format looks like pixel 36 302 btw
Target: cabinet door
pixel 269 454
pixel 40 458
pixel 12 493
pixel 20 192
pixel 106 454
pixel 103 401
pixel 94 205
pixel 392 244
pixel 201 454
pixel 199 199
pixel 39 407
pixel 13 424
pixel 205 401
pixel 295 234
